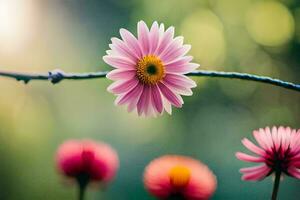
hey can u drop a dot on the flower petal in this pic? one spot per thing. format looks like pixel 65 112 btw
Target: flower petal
pixel 119 62
pixel 248 158
pixel 143 37
pixel 165 40
pixel 253 169
pixel 157 99
pixel 154 37
pixel 120 47
pixel 252 147
pixel 181 69
pixel 293 171
pixel 131 42
pixel 179 79
pixel 174 50
pixel 142 103
pixel 178 88
pixel 167 105
pixel 257 174
pixel 120 74
pixel 173 98
pixel 130 97
pixel 180 61
pixel 120 87
pixel 258 137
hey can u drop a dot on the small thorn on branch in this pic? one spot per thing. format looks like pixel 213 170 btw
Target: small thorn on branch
pixel 24 79
pixel 56 76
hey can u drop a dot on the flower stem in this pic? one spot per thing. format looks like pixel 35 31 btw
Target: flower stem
pixel 58 75
pixel 81 193
pixel 276 184
pixel 82 181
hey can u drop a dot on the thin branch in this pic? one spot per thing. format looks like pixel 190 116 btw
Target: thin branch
pixel 249 77
pixel 57 76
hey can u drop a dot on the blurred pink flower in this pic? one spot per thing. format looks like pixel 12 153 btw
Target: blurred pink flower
pixel 278 150
pixel 179 177
pixel 87 161
pixel 149 69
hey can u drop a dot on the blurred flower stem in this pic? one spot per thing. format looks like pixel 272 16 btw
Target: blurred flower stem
pixel 82 181
pixel 81 193
pixel 57 76
pixel 276 184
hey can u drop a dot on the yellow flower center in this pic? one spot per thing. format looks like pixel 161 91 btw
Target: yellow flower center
pixel 150 70
pixel 179 176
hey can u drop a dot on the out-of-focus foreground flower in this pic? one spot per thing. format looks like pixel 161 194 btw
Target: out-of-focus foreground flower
pixel 149 69
pixel 173 177
pixel 278 151
pixel 87 161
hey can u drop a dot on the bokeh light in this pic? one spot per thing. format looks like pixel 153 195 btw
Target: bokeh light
pixel 16 24
pixel 204 30
pixel 270 23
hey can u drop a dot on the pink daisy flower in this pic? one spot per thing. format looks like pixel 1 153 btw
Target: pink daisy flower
pixel 278 151
pixel 87 161
pixel 173 177
pixel 149 70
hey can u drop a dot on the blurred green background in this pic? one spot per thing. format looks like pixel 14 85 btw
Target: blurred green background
pixel 255 36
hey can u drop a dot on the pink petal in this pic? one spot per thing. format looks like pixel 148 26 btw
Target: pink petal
pixel 143 101
pixel 120 87
pixel 174 50
pixel 258 137
pixel 275 137
pixel 178 79
pixel 248 158
pixel 252 147
pixel 295 164
pixel 293 171
pixel 130 97
pixel 253 169
pixel 157 99
pixel 286 137
pixel 167 105
pixel 133 103
pixel 176 53
pixel 178 88
pixel 148 103
pixel 120 74
pixel 120 47
pixel 154 37
pixel 143 37
pixel 175 44
pixel 174 99
pixel 131 42
pixel 256 175
pixel 295 143
pixel 119 62
pixel 295 158
pixel 266 137
pixel 181 69
pixel 180 61
pixel 165 40
pixel 161 35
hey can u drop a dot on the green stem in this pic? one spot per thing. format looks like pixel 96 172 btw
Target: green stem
pixel 276 184
pixel 83 182
pixel 81 193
